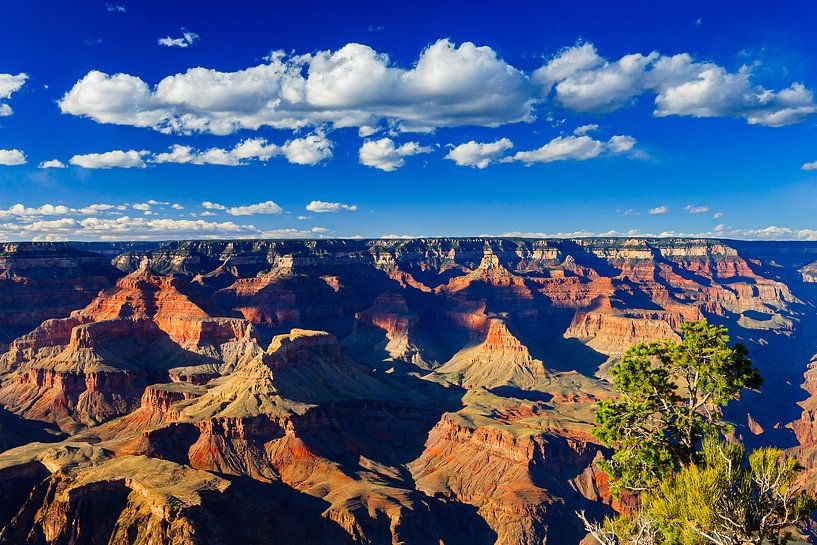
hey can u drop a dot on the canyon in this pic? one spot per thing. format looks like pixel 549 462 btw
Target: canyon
pixel 420 391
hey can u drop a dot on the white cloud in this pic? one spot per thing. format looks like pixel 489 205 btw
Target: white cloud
pixel 771 232
pixel 575 148
pixel 23 211
pixel 137 228
pixel 289 233
pixel 9 84
pixel 584 129
pixel 809 166
pixel 584 81
pixel 567 63
pixel 566 234
pixel 110 159
pixel 308 151
pixel 322 207
pixel 243 151
pixel 115 8
pixel 366 131
pixel 717 215
pixel 92 209
pixel 696 209
pixel 213 206
pixel 383 154
pixel 101 221
pixel 12 157
pixel 479 154
pixel 188 38
pixel 127 228
pixel 354 86
pixel 267 207
pixel 621 143
pixel 663 209
pixel 302 151
pixel 52 163
pixel 176 206
pixel 20 210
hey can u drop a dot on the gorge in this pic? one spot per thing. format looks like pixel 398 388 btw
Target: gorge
pixel 419 391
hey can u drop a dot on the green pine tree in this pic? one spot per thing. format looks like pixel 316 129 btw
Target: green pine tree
pixel 691 487
pixel 671 394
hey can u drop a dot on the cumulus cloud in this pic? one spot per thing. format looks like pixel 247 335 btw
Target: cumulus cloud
pixel 213 206
pixel 575 148
pixel 187 39
pixel 323 207
pixel 809 166
pixel 696 209
pixel 479 154
pixel 27 211
pixel 52 163
pixel 307 151
pixel 20 210
pixel 104 221
pixel 354 86
pixel 567 63
pixel 302 151
pixel 255 148
pixel 582 80
pixel 621 144
pixel 9 84
pixel 663 209
pixel 93 209
pixel 383 154
pixel 122 228
pixel 584 129
pixel 267 207
pixel 12 157
pixel 771 232
pixel 110 159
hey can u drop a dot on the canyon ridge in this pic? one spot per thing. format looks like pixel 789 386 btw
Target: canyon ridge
pixel 425 391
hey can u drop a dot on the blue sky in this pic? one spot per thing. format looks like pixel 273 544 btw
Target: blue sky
pixel 336 120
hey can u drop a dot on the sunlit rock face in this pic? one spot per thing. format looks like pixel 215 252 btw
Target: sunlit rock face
pixel 339 391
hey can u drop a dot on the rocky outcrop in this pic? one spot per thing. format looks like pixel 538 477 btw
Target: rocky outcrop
pixel 513 480
pixel 47 280
pixel 612 333
pixel 95 364
pixel 499 360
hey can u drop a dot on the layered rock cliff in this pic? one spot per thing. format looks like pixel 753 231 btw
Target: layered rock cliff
pixel 351 391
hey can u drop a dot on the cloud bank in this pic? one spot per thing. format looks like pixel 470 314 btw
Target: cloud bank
pixel 449 85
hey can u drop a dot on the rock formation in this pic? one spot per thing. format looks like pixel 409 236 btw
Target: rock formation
pixel 339 391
